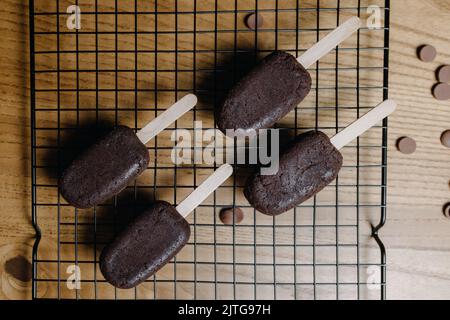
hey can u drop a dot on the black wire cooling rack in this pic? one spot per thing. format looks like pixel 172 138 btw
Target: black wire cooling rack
pixel 129 61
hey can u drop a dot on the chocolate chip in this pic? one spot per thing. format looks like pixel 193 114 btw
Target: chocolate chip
pixel 427 53
pixel 226 216
pixel 251 21
pixel 443 74
pixel 445 138
pixel 441 91
pixel 447 210
pixel 406 145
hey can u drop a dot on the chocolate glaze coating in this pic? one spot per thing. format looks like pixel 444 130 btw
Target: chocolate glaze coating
pixel 145 246
pixel 269 92
pixel 105 169
pixel 307 166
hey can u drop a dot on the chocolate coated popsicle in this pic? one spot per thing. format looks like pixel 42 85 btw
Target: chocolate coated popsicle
pixel 306 167
pixel 311 163
pixel 276 86
pixel 265 95
pixel 154 237
pixel 145 246
pixel 106 168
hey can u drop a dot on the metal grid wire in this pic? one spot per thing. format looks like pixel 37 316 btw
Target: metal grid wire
pixel 327 248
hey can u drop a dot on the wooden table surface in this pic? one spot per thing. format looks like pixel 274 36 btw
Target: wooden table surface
pixel 417 235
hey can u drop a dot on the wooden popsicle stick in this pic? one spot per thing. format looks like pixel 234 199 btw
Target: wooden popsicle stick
pixel 169 116
pixel 204 190
pixel 363 124
pixel 331 41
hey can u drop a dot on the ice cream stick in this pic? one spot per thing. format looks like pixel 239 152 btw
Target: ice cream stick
pixel 204 190
pixel 169 116
pixel 363 124
pixel 330 42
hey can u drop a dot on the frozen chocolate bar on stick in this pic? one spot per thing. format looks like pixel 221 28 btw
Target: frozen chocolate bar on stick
pixel 276 86
pixel 154 237
pixel 310 164
pixel 106 168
